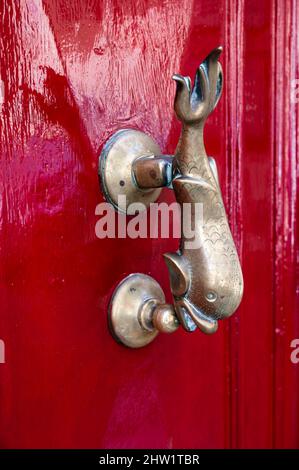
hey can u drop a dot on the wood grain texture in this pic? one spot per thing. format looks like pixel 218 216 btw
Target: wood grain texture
pixel 71 74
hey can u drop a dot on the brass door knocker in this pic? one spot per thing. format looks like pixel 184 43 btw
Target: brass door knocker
pixel 206 281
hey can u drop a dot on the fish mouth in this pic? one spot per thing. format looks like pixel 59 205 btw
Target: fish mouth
pixel 192 317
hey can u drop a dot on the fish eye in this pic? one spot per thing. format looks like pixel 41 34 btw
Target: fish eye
pixel 211 296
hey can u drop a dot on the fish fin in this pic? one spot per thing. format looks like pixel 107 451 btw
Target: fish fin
pixel 178 272
pixel 186 181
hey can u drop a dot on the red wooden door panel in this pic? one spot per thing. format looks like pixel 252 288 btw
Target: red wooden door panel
pixel 71 74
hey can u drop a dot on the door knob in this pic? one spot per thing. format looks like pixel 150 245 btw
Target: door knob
pixel 205 275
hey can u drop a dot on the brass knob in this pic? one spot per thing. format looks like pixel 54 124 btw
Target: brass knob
pixel 164 319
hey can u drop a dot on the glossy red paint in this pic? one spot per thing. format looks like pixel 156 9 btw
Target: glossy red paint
pixel 72 73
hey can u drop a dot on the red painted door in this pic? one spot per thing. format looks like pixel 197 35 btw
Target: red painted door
pixel 72 73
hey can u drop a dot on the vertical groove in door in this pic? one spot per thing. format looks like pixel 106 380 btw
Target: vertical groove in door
pixel 285 148
pixel 234 23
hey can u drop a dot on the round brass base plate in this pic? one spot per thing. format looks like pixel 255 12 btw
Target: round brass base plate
pixel 125 306
pixel 115 169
